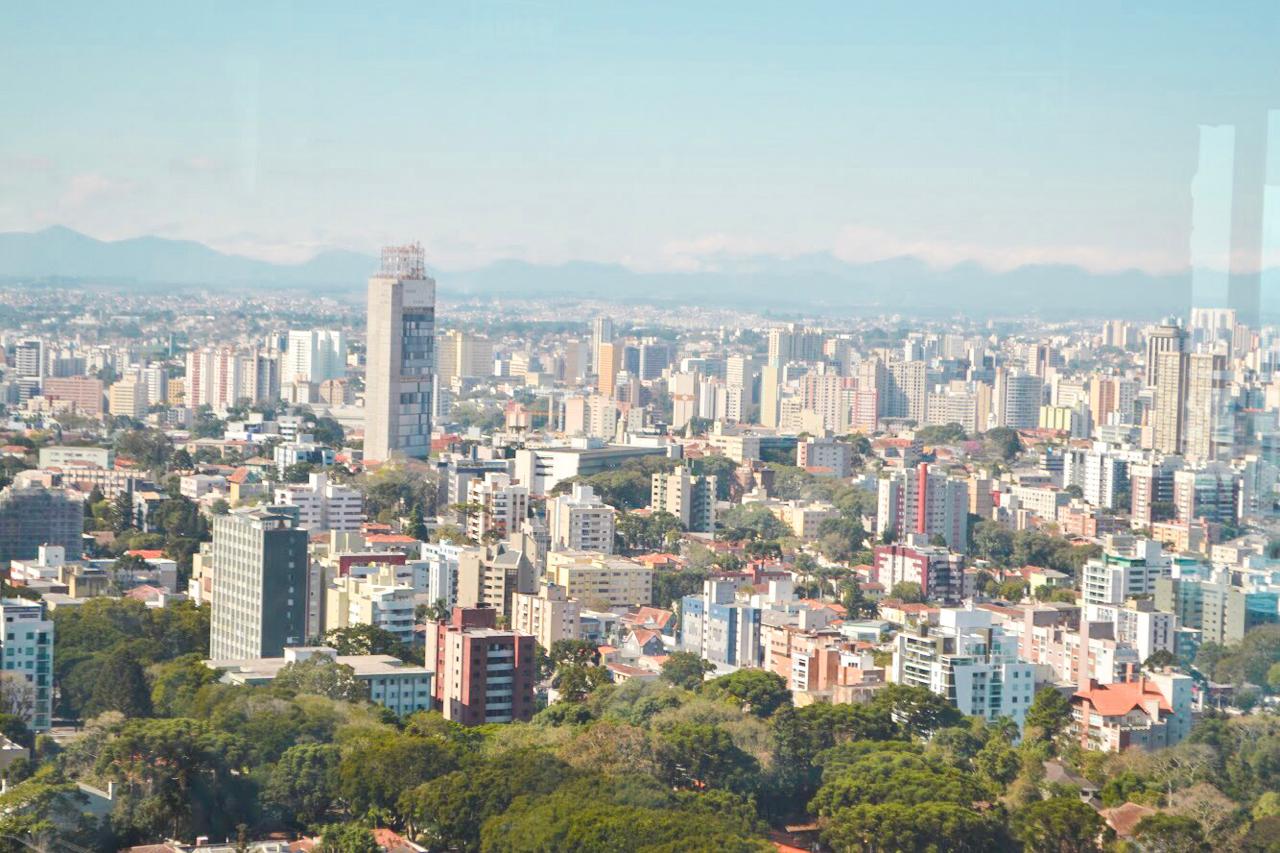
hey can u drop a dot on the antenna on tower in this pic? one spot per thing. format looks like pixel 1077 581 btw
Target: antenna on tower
pixel 406 262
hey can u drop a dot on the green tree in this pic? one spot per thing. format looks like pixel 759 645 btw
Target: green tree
pixel 1003 443
pixel 175 683
pixel 365 639
pixel 122 516
pixel 1050 712
pixel 1058 825
pixel 923 827
pixel 303 783
pixel 670 586
pixel 697 755
pixel 907 591
pixel 322 676
pixel 377 770
pixel 175 778
pixel 574 652
pixel 992 541
pixel 348 838
pixel 121 686
pixel 685 669
pixel 918 710
pixel 757 691
pixel 577 681
pixel 1170 833
pixel 449 811
pixel 997 761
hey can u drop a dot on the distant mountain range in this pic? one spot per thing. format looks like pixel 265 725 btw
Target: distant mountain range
pixel 805 284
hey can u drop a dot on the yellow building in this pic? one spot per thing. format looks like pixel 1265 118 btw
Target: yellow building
pixel 591 577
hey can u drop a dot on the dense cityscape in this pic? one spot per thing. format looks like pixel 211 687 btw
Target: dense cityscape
pixel 390 574
pixel 526 427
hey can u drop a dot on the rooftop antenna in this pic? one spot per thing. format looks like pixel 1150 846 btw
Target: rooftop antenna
pixel 404 262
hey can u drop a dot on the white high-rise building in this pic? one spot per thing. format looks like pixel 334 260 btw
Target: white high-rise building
pixel 26 652
pixel 323 505
pixel 401 356
pixel 315 355
pixel 580 521
pixel 970 661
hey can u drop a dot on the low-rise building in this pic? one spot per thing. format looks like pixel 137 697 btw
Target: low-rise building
pixel 1151 712
pixel 401 687
pixel 593 578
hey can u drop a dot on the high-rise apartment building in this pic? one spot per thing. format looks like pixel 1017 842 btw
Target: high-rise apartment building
pixel 608 363
pixel 1167 337
pixel 826 457
pixel 373 598
pixel 401 356
pixel 482 675
pixel 26 654
pixel 770 395
pixel 260 575
pixel 1017 399
pixel 1168 413
pixel 580 521
pixel 1206 389
pixel 128 398
pixel 549 615
pixel 907 391
pixel 315 355
pixel 589 577
pixel 323 505
pixel 938 571
pixel 82 392
pixel 461 354
pixel 31 516
pixel 970 661
pixel 690 498
pixel 601 333
pixel 1128 567
pixel 500 505
pixel 926 502
pixel 29 360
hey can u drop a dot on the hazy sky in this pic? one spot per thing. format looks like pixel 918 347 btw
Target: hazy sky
pixel 651 134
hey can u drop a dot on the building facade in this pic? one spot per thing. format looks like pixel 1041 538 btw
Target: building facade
pixel 260 575
pixel 400 359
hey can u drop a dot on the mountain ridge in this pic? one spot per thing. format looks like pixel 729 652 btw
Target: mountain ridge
pixel 818 280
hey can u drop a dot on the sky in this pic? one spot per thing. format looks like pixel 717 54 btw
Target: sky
pixel 660 136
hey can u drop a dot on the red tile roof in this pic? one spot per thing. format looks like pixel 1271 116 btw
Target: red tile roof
pixel 146 554
pixel 1124 819
pixel 1116 700
pixel 650 616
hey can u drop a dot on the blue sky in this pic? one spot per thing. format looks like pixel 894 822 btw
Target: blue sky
pixel 656 135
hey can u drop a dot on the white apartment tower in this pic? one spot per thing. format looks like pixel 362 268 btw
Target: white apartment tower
pixel 401 356
pixel 26 652
pixel 580 521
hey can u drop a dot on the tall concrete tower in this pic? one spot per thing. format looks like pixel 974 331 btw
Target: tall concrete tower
pixel 400 361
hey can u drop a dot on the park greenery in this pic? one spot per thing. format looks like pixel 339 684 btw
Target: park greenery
pixel 687 762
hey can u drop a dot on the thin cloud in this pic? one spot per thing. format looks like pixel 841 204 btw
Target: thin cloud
pixel 89 187
pixel 859 244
